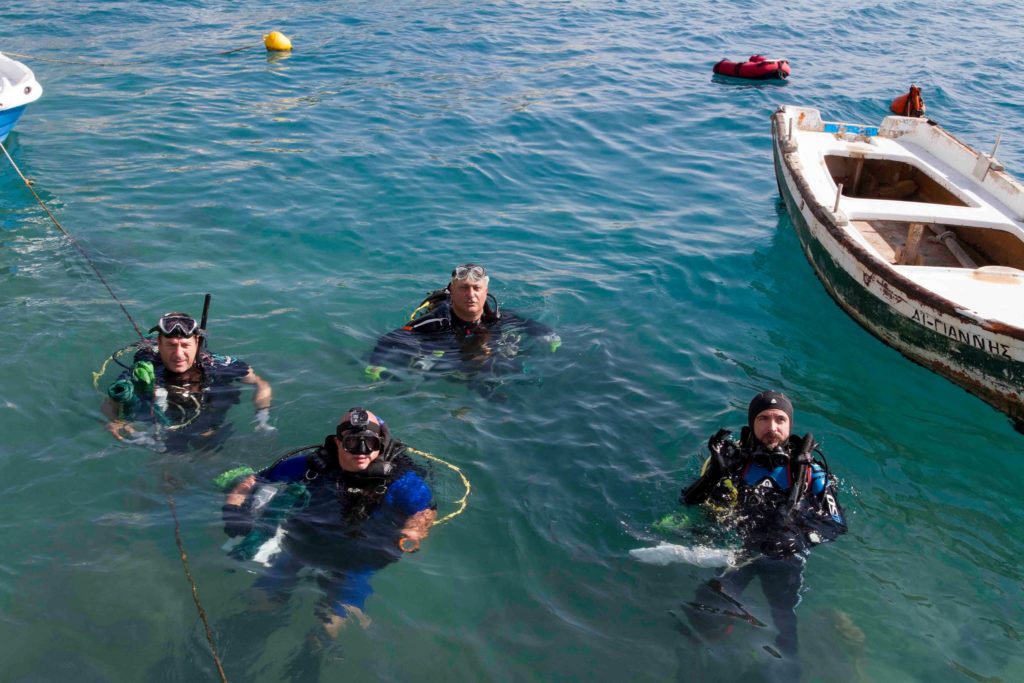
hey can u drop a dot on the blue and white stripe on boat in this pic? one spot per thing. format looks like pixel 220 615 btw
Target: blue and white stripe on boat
pixel 18 89
pixel 851 129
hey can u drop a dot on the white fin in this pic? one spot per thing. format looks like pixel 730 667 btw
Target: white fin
pixel 270 548
pixel 698 555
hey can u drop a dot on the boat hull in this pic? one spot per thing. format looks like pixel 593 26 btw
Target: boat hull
pixel 9 117
pixel 984 357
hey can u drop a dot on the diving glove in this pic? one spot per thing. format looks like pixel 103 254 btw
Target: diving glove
pixel 373 372
pixel 262 421
pixel 144 375
pixel 722 449
pixel 553 341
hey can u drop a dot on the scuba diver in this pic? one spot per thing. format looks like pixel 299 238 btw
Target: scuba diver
pixel 781 501
pixel 367 504
pixel 182 389
pixel 459 328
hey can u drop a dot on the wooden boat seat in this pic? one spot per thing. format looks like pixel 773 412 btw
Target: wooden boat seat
pixel 889 240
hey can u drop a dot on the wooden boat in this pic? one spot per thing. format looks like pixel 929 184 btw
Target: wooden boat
pixel 918 237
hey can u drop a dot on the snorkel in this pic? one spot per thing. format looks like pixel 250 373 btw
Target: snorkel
pixel 202 322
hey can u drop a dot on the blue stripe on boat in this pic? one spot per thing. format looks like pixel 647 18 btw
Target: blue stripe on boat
pixel 9 117
pixel 869 131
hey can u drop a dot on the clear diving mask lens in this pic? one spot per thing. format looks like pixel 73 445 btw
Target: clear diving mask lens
pixel 469 272
pixel 176 325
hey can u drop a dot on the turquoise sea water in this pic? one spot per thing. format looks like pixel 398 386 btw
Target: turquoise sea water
pixel 582 151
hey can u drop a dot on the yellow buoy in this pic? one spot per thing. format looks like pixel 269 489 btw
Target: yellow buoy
pixel 277 42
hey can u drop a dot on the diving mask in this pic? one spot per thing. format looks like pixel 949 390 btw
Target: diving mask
pixel 176 325
pixel 469 271
pixel 357 435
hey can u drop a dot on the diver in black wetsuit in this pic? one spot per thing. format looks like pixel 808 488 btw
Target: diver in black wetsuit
pixel 459 328
pixel 780 500
pixel 182 390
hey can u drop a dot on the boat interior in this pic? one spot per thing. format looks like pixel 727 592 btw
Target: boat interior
pixel 920 243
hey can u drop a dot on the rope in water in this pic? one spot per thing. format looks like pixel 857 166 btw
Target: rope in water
pixel 96 376
pixel 82 62
pixel 461 502
pixel 195 589
pixel 73 241
pixel 170 499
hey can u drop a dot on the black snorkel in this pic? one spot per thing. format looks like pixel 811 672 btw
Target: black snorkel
pixel 802 460
pixel 202 321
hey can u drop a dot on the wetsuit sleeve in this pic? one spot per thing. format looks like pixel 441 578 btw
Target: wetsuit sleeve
pixel 395 348
pixel 697 492
pixel 290 469
pixel 229 368
pixel 409 494
pixel 531 327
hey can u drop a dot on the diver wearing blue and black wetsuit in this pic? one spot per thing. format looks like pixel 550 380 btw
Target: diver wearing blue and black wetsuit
pixel 368 504
pixel 781 501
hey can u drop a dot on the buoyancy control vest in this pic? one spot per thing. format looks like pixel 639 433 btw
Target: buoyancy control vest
pixel 359 493
pixel 435 313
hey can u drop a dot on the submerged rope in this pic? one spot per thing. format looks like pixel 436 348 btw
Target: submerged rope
pixel 170 498
pixel 83 62
pixel 461 502
pixel 195 589
pixel 74 242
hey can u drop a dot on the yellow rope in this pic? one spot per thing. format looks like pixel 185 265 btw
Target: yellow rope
pixel 461 502
pixel 96 376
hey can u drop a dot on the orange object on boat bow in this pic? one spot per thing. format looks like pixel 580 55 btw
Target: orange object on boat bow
pixel 910 104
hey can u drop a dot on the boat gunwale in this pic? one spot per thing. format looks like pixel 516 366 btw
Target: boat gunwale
pixel 870 261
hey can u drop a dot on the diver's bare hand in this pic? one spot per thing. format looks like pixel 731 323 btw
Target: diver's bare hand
pixel 116 427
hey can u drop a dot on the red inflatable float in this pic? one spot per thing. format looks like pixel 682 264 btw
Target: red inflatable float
pixel 758 68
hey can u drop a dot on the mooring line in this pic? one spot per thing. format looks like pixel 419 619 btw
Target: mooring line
pixel 195 589
pixel 170 498
pixel 71 238
pixel 132 62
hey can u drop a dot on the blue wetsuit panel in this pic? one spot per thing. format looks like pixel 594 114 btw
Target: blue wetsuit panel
pixel 756 473
pixel 290 470
pixel 409 494
pixel 818 479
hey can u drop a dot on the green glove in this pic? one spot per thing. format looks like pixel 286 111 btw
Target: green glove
pixel 374 372
pixel 228 480
pixel 144 375
pixel 553 340
pixel 673 522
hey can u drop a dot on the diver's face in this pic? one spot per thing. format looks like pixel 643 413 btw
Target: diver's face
pixel 354 462
pixel 771 427
pixel 468 298
pixel 178 353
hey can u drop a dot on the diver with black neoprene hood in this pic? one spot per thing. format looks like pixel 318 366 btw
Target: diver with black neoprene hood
pixel 775 490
